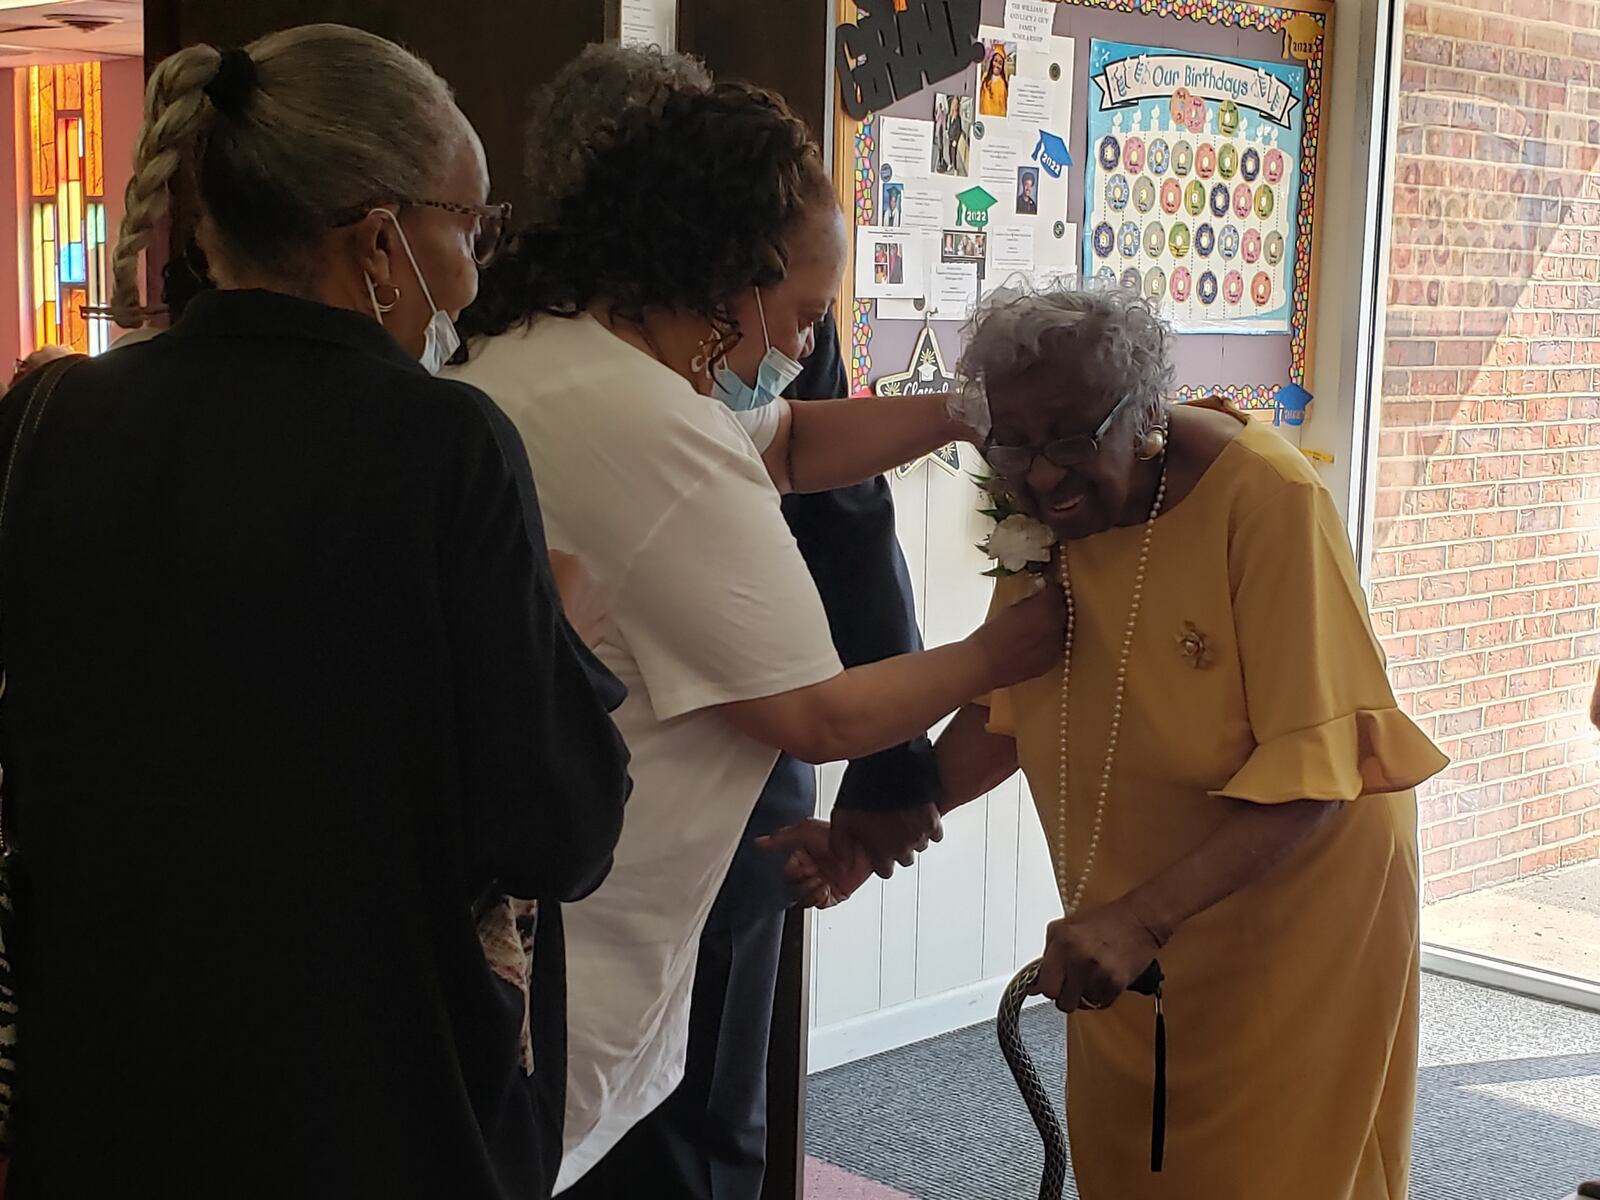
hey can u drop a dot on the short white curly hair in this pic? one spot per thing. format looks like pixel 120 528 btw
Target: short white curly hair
pixel 1105 343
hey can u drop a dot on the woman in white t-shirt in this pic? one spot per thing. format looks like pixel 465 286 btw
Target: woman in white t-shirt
pixel 637 338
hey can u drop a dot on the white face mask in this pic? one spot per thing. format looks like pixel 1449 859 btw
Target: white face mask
pixel 440 341
pixel 776 372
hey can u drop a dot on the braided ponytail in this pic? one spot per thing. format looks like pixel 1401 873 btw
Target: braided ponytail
pixel 177 117
pixel 277 143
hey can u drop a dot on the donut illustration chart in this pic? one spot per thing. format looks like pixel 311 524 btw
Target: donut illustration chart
pixel 1117 192
pixel 1241 201
pixel 1192 194
pixel 1228 118
pixel 1144 194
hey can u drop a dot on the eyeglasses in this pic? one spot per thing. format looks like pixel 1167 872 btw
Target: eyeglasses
pixel 1070 452
pixel 494 220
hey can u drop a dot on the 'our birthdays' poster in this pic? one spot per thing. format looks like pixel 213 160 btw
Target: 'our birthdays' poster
pixel 1192 185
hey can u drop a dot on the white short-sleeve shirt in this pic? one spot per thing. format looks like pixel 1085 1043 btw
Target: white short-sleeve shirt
pixel 662 494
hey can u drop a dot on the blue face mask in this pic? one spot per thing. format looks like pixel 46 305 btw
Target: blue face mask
pixel 440 339
pixel 773 377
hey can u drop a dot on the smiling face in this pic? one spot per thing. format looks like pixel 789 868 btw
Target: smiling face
pixel 1048 408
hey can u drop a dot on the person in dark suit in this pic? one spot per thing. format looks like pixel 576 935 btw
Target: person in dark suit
pixel 301 754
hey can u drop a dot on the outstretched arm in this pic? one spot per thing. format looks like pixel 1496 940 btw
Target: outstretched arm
pixel 826 444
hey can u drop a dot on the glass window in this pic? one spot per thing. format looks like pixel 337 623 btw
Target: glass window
pixel 1485 549
pixel 67 221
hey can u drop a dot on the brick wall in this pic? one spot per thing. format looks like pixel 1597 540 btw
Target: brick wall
pixel 1486 554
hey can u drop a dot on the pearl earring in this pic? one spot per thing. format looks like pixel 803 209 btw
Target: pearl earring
pixel 1152 445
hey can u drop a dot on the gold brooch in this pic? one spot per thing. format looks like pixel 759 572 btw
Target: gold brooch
pixel 1194 647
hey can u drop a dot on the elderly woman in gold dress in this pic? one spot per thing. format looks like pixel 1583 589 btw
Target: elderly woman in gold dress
pixel 1220 768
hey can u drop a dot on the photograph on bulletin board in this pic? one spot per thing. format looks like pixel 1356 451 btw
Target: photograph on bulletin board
pixel 1168 146
pixel 1191 191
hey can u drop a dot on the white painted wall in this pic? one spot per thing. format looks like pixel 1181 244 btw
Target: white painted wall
pixel 931 949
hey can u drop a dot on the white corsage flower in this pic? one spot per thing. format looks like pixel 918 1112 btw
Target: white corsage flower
pixel 1019 543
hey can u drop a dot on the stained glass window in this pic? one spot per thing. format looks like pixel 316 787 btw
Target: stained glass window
pixel 67 222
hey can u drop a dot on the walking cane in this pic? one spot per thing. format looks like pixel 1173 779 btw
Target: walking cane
pixel 1054 1179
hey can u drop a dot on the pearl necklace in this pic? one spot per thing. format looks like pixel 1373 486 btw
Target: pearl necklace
pixel 1073 900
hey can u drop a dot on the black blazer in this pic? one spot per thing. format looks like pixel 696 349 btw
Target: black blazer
pixel 289 693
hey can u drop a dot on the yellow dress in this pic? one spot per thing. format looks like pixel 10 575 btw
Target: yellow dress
pixel 1291 1006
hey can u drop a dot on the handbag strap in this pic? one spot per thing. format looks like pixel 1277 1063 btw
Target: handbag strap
pixel 34 406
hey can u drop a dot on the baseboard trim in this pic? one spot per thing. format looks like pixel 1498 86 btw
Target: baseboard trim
pixel 1511 977
pixel 906 1024
pixel 934 1016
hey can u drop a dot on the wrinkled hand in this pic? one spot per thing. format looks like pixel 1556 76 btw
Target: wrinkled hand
pixel 1090 959
pixel 886 838
pixel 820 875
pixel 581 598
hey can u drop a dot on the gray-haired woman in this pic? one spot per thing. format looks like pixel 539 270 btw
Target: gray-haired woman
pixel 1221 772
pixel 291 705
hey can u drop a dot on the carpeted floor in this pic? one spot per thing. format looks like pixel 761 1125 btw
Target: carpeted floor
pixel 1509 1106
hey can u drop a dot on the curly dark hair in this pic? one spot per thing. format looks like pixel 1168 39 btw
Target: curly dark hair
pixel 689 204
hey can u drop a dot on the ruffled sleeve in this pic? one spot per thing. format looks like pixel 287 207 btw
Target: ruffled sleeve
pixel 1322 712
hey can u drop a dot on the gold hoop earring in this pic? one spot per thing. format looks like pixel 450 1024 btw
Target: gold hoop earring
pixel 392 304
pixel 701 362
pixel 1152 445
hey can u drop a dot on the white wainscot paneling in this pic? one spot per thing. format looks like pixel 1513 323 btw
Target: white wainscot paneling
pixel 931 949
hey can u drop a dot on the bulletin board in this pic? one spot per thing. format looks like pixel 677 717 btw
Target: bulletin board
pixel 1193 130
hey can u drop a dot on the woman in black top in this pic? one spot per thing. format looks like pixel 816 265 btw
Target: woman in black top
pixel 291 704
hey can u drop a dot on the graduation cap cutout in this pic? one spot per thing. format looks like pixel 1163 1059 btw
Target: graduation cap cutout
pixel 972 207
pixel 895 48
pixel 1051 154
pixel 1294 404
